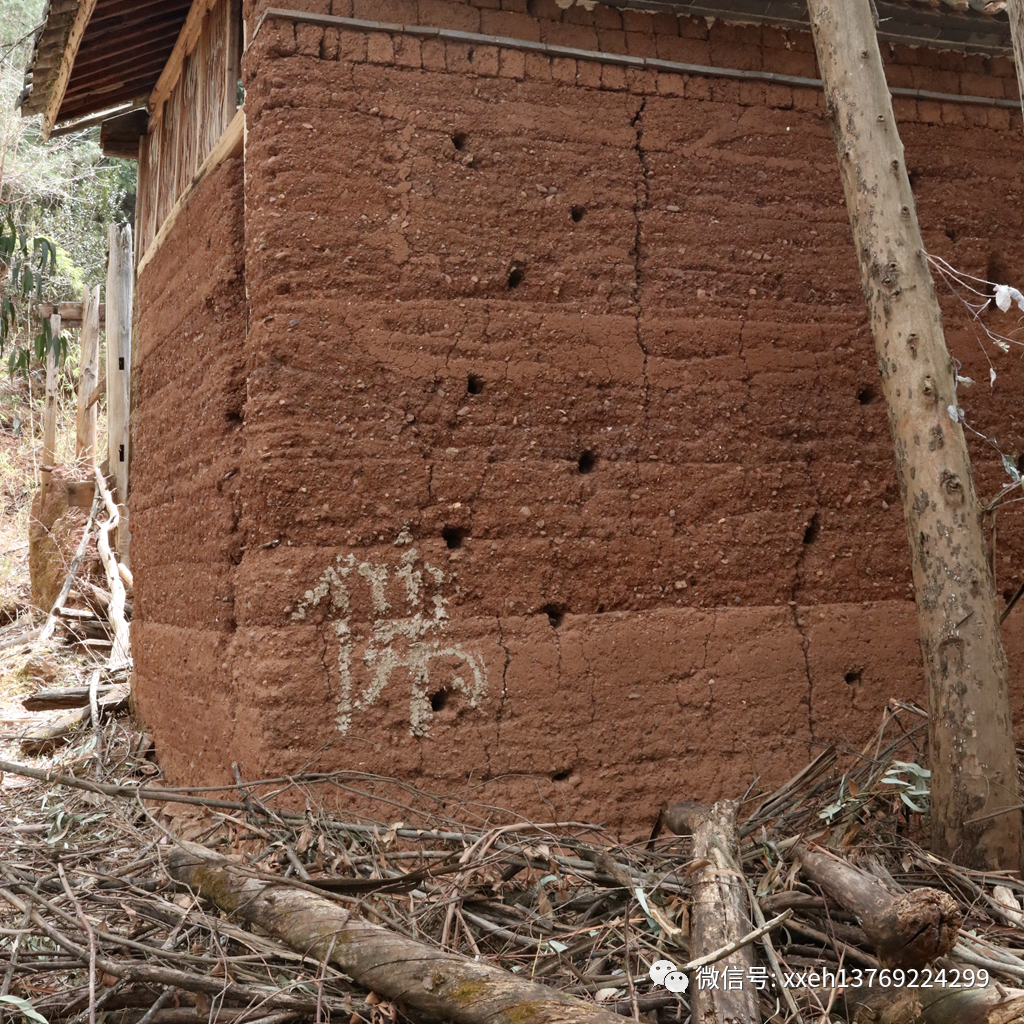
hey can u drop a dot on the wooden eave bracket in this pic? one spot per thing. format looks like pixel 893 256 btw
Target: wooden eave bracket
pixel 67 63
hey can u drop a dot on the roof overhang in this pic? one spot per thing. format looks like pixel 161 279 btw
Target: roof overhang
pixel 94 55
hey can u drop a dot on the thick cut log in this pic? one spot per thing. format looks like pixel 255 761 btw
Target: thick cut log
pixel 720 914
pixel 70 312
pixel 48 736
pixel 909 930
pixel 989 1005
pixel 433 984
pixel 85 435
pixel 976 810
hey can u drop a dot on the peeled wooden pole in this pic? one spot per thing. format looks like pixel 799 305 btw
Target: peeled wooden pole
pixel 1015 11
pixel 432 984
pixel 975 813
pixel 119 338
pixel 85 433
pixel 50 413
pixel 719 914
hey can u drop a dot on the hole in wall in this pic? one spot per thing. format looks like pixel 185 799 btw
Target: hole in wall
pixel 469 54
pixel 951 233
pixel 475 384
pixel 555 614
pixel 577 213
pixel 1019 462
pixel 914 175
pixel 233 418
pixel 853 676
pixel 532 8
pixel 867 395
pixel 1007 595
pixel 438 700
pixel 586 462
pixel 459 140
pixel 562 775
pixel 995 271
pixel 813 529
pixel 515 277
pixel 453 537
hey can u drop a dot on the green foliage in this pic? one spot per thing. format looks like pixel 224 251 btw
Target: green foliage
pixel 25 273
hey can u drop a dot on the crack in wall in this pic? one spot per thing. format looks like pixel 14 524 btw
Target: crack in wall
pixel 640 206
pixel 797 579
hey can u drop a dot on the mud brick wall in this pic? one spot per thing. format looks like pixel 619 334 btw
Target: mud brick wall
pixel 188 396
pixel 565 481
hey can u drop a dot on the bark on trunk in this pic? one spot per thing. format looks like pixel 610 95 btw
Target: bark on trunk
pixel 440 986
pixel 1015 10
pixel 972 756
pixel 908 930
pixel 720 914
pixel 873 1005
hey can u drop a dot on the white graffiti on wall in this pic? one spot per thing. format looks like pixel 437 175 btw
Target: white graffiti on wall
pixel 413 641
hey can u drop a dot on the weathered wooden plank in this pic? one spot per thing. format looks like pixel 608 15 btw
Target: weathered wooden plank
pixel 85 425
pixel 67 62
pixel 119 330
pixel 70 312
pixel 50 411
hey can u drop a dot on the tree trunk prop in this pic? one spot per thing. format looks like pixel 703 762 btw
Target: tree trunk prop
pixel 909 930
pixel 991 1005
pixel 973 760
pixel 440 986
pixel 720 914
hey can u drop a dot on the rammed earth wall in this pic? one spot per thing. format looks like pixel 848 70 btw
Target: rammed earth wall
pixel 563 479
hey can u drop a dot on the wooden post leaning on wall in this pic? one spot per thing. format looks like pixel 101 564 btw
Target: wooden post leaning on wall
pixel 50 413
pixel 85 433
pixel 120 271
pixel 1015 10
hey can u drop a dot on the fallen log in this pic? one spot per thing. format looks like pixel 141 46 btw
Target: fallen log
pixel 68 697
pixel 908 930
pixel 990 1005
pixel 434 984
pixel 719 915
pixel 46 737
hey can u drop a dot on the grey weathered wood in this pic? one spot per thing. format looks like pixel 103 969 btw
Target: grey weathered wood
pixel 908 930
pixel 1015 11
pixel 85 432
pixel 434 985
pixel 120 271
pixel 720 914
pixel 50 412
pixel 976 817
pixel 69 697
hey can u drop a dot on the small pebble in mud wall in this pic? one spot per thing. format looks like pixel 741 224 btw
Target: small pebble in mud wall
pixel 406 639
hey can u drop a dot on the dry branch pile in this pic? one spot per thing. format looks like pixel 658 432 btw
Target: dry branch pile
pixel 145 904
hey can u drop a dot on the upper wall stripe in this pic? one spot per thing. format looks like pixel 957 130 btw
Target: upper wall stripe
pixel 640 63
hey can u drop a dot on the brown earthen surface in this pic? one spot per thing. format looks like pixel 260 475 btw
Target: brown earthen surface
pixel 563 481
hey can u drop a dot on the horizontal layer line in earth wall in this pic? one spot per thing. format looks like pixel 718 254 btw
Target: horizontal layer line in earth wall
pixel 638 63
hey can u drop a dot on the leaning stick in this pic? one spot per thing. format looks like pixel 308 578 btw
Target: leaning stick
pixel 51 620
pixel 434 984
pixel 121 654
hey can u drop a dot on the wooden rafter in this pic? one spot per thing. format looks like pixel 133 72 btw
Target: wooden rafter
pixel 67 62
